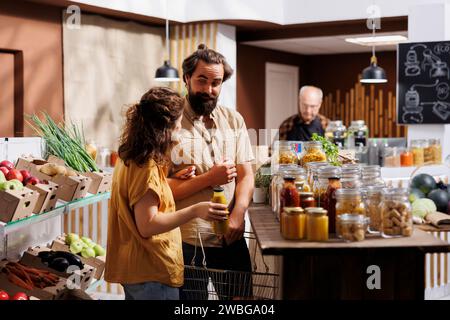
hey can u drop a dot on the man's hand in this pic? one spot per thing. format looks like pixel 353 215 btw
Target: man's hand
pixel 235 227
pixel 222 173
pixel 185 173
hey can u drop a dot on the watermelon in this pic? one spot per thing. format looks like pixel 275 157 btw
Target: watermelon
pixel 424 182
pixel 440 199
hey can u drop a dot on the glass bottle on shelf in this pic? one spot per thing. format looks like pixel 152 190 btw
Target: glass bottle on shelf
pixel 436 150
pixel 329 201
pixel 336 132
pixel 396 216
pixel 391 158
pixel 358 134
pixel 91 149
pixel 417 148
pixel 406 158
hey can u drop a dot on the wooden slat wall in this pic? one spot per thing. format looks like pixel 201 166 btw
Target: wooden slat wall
pixel 370 103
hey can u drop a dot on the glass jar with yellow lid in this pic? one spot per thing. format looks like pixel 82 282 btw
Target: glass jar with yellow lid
pixel 316 224
pixel 293 223
pixel 313 153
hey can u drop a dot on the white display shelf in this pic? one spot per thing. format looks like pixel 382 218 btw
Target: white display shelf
pixel 406 172
pixel 62 208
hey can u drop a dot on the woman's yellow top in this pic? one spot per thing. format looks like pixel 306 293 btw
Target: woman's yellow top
pixel 131 258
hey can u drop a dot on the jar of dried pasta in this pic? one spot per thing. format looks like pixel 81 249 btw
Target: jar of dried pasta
pixel 313 153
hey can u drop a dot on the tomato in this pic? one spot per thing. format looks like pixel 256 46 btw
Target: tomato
pixel 4 295
pixel 20 296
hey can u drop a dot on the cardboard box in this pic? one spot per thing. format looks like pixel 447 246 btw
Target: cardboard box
pixel 31 258
pixel 16 205
pixel 69 188
pixel 48 293
pixel 47 196
pixel 98 262
pixel 101 181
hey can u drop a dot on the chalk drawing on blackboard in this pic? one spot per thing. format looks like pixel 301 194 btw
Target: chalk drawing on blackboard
pixel 412 68
pixel 440 108
pixel 413 107
pixel 443 90
pixel 438 68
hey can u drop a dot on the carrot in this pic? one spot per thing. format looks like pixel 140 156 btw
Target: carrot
pixel 19 282
pixel 20 271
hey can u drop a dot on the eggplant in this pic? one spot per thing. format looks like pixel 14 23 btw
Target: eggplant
pixel 59 264
pixel 46 255
pixel 71 258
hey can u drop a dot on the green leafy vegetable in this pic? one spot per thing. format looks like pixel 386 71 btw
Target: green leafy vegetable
pixel 331 150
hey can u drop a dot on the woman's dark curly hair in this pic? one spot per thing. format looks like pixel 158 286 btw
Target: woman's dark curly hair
pixel 147 133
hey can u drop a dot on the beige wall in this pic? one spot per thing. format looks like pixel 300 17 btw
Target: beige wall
pixel 107 65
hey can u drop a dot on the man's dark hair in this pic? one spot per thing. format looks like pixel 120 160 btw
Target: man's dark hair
pixel 208 56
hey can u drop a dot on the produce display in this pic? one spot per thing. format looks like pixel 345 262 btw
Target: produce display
pixel 427 196
pixel 65 142
pixel 84 246
pixel 13 179
pixel 29 278
pixel 60 260
pixel 53 169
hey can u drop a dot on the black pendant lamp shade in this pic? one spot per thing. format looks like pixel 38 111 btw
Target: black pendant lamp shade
pixel 166 73
pixel 373 73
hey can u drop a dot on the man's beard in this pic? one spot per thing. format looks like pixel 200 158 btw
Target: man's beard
pixel 202 103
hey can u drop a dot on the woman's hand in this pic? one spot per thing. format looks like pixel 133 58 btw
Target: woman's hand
pixel 211 211
pixel 185 173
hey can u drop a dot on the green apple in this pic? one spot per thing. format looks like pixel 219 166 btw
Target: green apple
pixel 2 177
pixel 17 183
pixel 76 247
pixel 71 237
pixel 86 240
pixel 8 185
pixel 4 186
pixel 88 253
pixel 99 251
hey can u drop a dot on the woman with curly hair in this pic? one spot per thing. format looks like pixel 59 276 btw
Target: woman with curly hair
pixel 144 241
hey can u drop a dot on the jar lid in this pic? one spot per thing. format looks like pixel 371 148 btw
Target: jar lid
pixel 305 194
pixel 373 190
pixel 218 189
pixel 329 172
pixel 293 210
pixel 316 164
pixel 313 144
pixel 289 178
pixel 316 211
pixel 352 218
pixel 347 192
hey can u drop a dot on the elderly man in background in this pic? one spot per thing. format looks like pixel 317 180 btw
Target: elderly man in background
pixel 301 126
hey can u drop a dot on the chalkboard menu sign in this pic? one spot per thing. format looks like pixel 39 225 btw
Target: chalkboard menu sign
pixel 423 87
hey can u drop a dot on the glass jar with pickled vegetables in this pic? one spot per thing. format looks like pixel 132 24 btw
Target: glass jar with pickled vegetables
pixel 349 201
pixel 417 149
pixel 371 176
pixel 435 149
pixel 320 186
pixel 396 216
pixel 289 196
pixel 293 223
pixel 328 202
pixel 316 224
pixel 373 201
pixel 313 153
pixel 286 153
pixel 336 132
pixel 352 227
pixel 307 200
pixel 220 227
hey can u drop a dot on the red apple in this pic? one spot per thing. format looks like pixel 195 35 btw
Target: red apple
pixel 20 296
pixel 5 170
pixel 4 295
pixel 25 174
pixel 14 174
pixel 7 164
pixel 31 180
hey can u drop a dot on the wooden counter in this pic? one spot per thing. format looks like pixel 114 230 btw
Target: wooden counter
pixel 339 270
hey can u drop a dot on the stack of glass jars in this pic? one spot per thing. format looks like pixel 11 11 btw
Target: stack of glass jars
pixel 351 176
pixel 320 186
pixel 312 172
pixel 349 201
pixel 313 153
pixel 371 176
pixel 336 132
